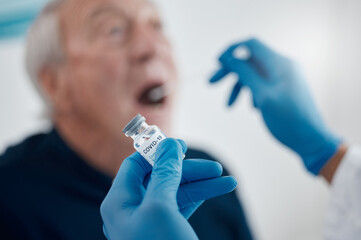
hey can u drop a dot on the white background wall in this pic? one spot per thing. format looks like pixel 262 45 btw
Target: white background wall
pixel 324 36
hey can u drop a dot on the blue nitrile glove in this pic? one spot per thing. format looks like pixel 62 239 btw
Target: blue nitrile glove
pixel 281 94
pixel 175 190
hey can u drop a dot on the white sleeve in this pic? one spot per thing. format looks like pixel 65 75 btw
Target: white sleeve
pixel 343 217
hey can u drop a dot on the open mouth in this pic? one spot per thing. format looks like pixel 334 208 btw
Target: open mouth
pixel 154 95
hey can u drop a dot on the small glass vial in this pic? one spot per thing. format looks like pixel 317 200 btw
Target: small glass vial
pixel 146 138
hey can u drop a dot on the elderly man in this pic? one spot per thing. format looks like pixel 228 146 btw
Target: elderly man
pixel 96 63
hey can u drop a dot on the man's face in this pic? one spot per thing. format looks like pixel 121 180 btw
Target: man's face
pixel 118 63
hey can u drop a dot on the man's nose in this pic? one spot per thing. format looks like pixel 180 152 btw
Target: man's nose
pixel 143 44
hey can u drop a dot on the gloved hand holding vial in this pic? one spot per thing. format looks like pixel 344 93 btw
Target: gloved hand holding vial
pixel 159 208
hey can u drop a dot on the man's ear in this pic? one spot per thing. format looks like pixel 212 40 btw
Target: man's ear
pixel 54 88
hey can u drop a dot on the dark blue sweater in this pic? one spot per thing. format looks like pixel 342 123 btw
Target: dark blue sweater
pixel 48 192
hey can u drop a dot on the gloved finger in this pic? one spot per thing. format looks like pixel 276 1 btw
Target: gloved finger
pixel 105 231
pixel 167 171
pixel 219 75
pixel 229 51
pixel 247 74
pixel 235 92
pixel 263 57
pixel 200 169
pixel 184 149
pixel 183 144
pixel 127 187
pixel 191 193
pixel 195 170
pixel 188 211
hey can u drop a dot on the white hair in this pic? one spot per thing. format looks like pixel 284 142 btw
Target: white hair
pixel 44 44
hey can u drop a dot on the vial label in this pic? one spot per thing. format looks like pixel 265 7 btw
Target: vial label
pixel 147 149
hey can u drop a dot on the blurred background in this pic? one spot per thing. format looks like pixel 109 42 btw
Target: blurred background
pixel 282 200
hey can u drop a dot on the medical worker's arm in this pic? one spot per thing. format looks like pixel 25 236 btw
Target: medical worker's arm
pixel 145 203
pixel 280 92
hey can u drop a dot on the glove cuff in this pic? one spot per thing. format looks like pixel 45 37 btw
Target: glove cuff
pixel 316 161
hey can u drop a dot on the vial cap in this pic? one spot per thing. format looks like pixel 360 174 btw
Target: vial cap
pixel 133 125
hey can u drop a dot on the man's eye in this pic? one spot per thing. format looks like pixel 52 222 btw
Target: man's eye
pixel 115 31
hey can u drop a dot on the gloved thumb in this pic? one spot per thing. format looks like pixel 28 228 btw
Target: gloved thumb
pixel 167 171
